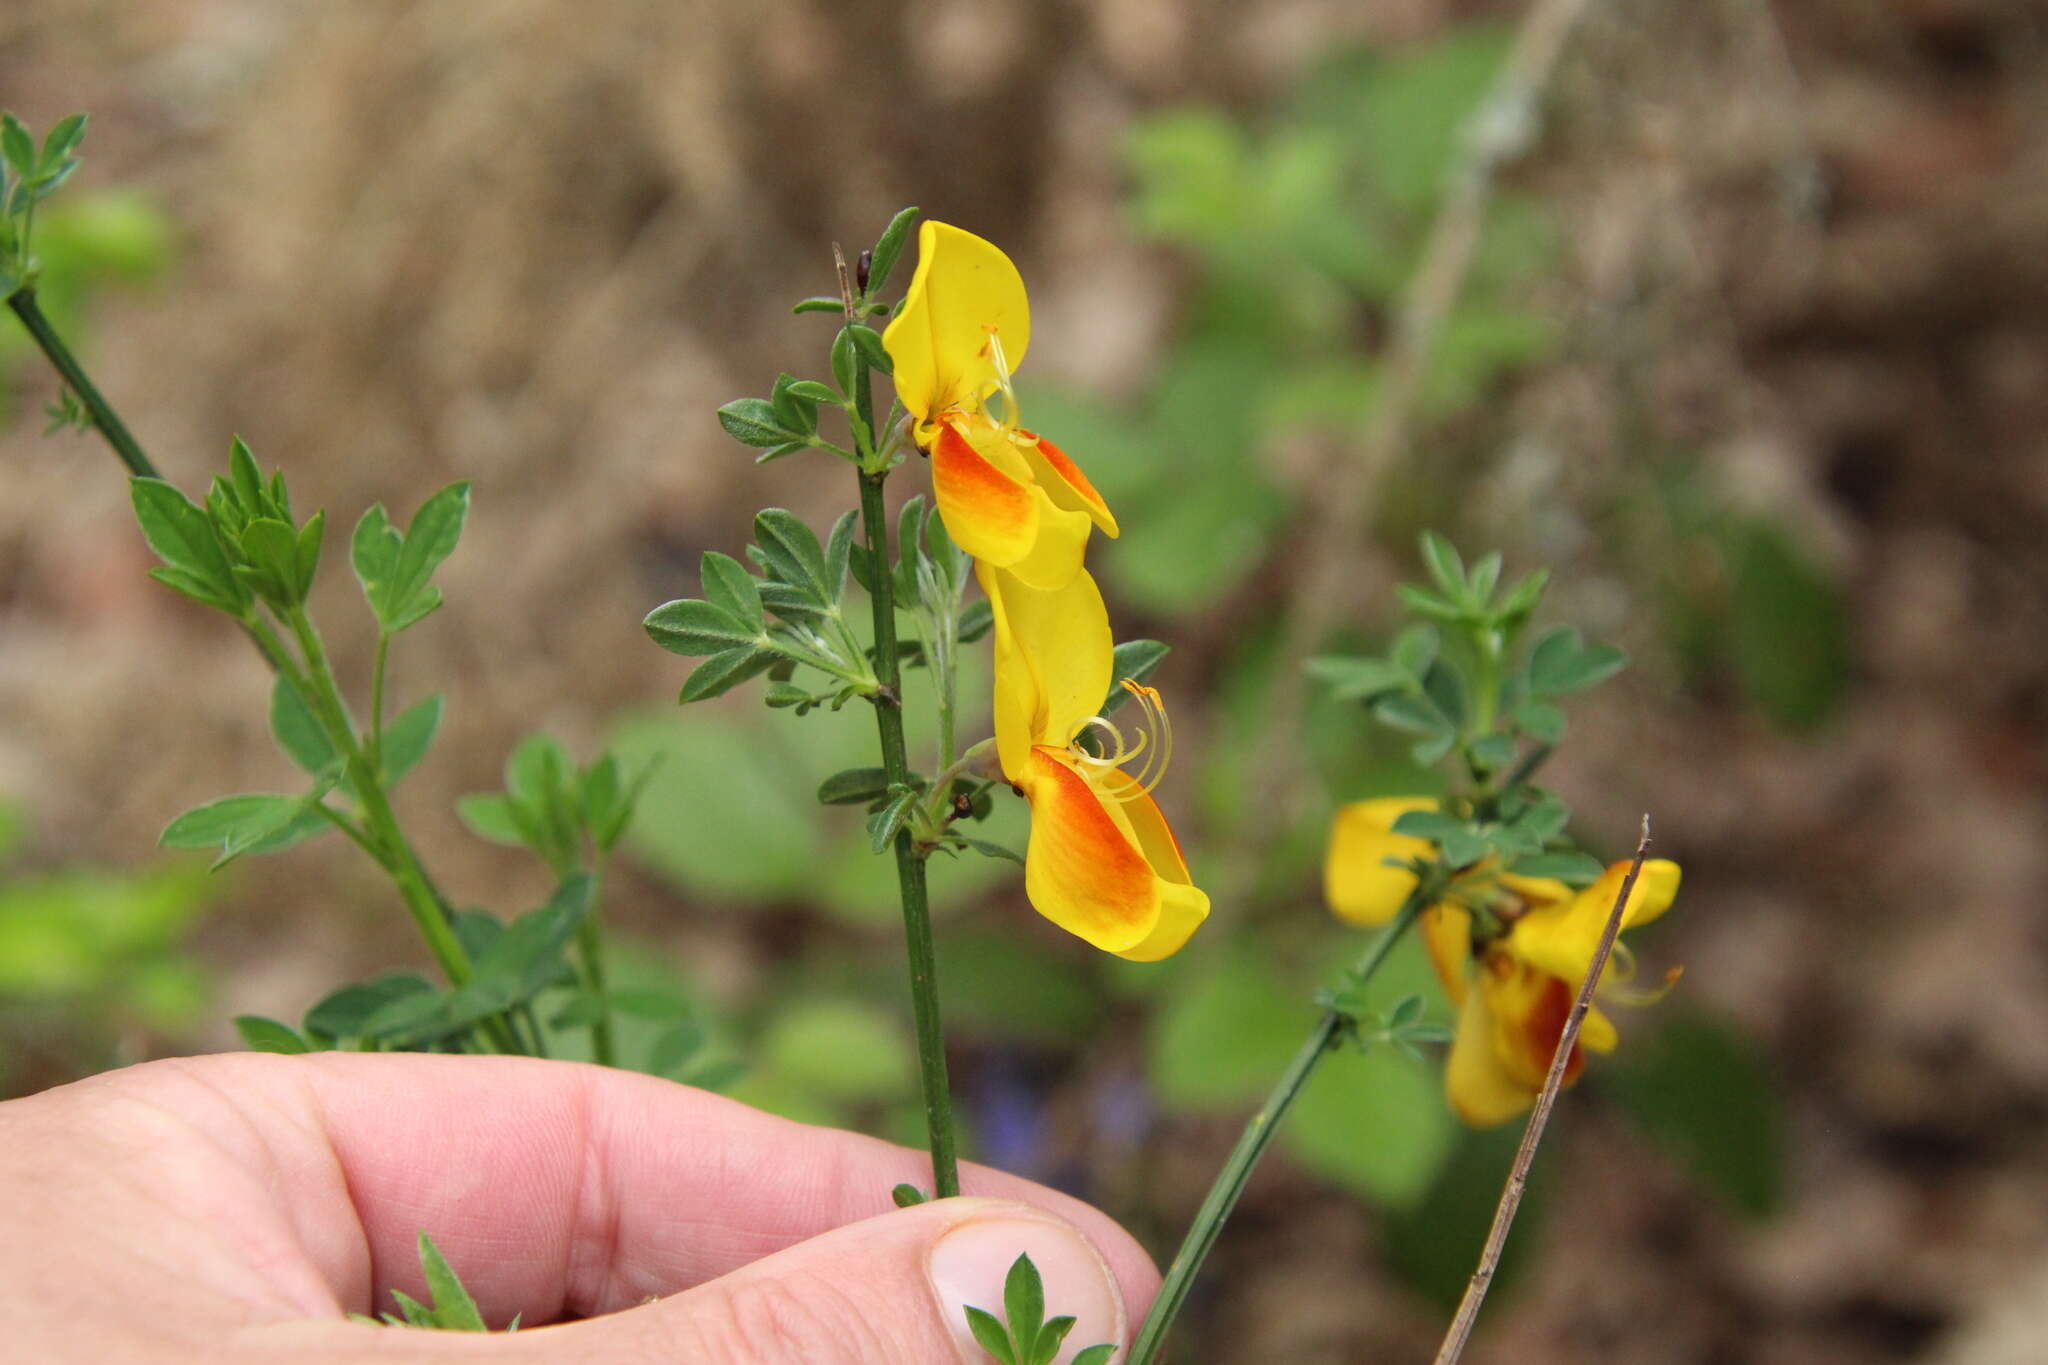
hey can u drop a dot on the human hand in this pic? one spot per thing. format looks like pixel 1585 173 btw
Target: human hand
pixel 234 1208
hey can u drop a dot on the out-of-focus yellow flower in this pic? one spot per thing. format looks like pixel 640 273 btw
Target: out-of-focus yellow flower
pixel 1102 862
pixel 1008 497
pixel 1514 990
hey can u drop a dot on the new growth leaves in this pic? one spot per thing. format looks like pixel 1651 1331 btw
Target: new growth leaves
pixel 396 568
pixel 1024 1335
pixel 28 176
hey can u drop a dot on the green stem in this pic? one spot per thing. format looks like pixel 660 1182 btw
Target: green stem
pixel 1258 1133
pixel 104 418
pixel 590 947
pixel 377 699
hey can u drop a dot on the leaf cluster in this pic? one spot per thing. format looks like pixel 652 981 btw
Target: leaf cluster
pixel 450 1307
pixel 786 421
pixel 791 615
pixel 27 177
pixel 563 814
pixel 1404 1025
pixel 1025 1336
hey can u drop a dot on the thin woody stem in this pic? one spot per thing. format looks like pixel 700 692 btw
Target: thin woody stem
pixel 1518 1174
pixel 1258 1134
pixel 910 864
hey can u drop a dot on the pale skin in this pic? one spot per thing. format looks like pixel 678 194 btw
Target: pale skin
pixel 235 1208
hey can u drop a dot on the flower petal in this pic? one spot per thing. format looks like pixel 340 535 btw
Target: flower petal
pixel 1447 933
pixel 1561 939
pixel 1054 656
pixel 1182 905
pixel 1083 869
pixel 1061 478
pixel 1529 1008
pixel 991 512
pixel 963 289
pixel 1055 556
pixel 1360 888
pixel 1479 1087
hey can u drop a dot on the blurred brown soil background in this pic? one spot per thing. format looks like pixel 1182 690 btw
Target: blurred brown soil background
pixel 534 245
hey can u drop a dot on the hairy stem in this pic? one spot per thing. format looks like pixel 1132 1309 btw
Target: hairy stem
pixel 104 419
pixel 1258 1134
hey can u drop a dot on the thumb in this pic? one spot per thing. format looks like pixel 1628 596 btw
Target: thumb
pixel 889 1290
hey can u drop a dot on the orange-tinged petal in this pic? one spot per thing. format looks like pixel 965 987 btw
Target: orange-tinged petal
pixel 1447 933
pixel 964 289
pixel 1083 869
pixel 1063 480
pixel 1561 939
pixel 1056 555
pixel 990 512
pixel 1054 656
pixel 1359 886
pixel 1479 1087
pixel 1182 905
pixel 1529 1008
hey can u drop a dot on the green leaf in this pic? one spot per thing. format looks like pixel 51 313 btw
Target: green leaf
pixel 756 422
pixel 1559 664
pixel 796 412
pixel 1024 1300
pixel 432 537
pixel 1493 752
pixel 407 738
pixel 728 585
pixel 345 1013
pixel 726 670
pixel 1136 660
pixel 1354 679
pixel 298 731
pixel 230 820
pixel 245 480
pixel 838 554
pixel 1095 1355
pixel 1445 565
pixel 184 539
pixel 978 619
pixel 454 1310
pixel 674 1047
pixel 61 141
pixel 527 957
pixel 1432 825
pixel 373 553
pixel 884 823
pixel 988 849
pixel 793 553
pixel 306 561
pixel 1575 869
pixel 689 627
pixel 1705 1093
pixel 908 1196
pixel 1415 649
pixel 812 389
pixel 1049 1338
pixel 197 589
pixel 842 359
pixel 820 303
pixel 991 1335
pixel 267 1035
pixel 1414 714
pixel 888 247
pixel 489 816
pixel 854 787
pixel 868 342
pixel 17 146
pixel 1541 721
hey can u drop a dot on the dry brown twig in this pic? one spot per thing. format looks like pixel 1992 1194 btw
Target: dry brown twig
pixel 1518 1174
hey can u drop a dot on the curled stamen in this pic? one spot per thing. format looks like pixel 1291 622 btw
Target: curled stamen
pixel 1642 995
pixel 1153 742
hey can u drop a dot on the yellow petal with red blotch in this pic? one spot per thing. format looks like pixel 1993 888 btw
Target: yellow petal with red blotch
pixel 1083 869
pixel 1359 886
pixel 964 289
pixel 1054 656
pixel 1063 480
pixel 1481 1091
pixel 991 513
pixel 1561 939
pixel 1529 1008
pixel 1447 933
pixel 1182 905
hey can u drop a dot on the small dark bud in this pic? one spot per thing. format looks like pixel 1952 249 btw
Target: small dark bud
pixel 963 805
pixel 860 272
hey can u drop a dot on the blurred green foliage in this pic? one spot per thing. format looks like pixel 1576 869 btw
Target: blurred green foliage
pixel 87 243
pixel 88 956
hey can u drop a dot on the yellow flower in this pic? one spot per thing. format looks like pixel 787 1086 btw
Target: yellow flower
pixel 1102 863
pixel 1527 977
pixel 1008 497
